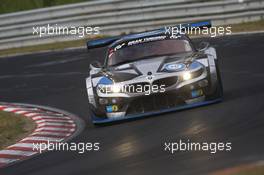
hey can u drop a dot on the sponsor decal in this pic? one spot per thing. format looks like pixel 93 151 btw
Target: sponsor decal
pixel 138 41
pixel 112 108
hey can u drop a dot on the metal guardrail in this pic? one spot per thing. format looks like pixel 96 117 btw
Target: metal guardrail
pixel 91 7
pixel 119 16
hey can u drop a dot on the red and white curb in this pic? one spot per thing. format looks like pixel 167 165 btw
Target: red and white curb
pixel 51 126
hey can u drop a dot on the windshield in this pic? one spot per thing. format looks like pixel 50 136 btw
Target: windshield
pixel 125 54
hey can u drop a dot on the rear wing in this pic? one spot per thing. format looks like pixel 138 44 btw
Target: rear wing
pixel 107 41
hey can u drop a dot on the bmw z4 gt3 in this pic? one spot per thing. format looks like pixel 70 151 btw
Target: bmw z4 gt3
pixel 151 73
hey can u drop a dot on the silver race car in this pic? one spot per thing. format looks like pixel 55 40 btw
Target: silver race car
pixel 150 73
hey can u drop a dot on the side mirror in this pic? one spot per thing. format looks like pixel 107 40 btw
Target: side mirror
pixel 95 67
pixel 203 46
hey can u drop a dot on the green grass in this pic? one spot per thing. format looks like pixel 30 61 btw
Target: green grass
pixel 13 128
pixel 48 47
pixel 8 6
pixel 44 47
pixel 248 26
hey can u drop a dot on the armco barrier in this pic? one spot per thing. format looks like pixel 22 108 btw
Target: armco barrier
pixel 91 7
pixel 119 16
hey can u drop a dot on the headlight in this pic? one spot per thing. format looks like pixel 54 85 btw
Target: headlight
pixel 186 76
pixel 111 88
pixel 174 66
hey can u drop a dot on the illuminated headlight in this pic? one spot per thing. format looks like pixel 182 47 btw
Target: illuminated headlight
pixel 186 76
pixel 174 66
pixel 106 89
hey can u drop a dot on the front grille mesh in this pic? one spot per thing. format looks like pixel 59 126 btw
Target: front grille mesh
pixel 154 102
pixel 166 82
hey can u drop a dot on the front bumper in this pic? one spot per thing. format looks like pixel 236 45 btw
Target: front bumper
pixel 99 120
pixel 186 96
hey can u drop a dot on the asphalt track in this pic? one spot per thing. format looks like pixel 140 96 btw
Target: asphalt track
pixel 137 147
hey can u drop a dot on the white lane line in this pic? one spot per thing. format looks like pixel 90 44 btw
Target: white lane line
pixel 10 109
pixel 17 152
pixel 5 160
pixel 55 129
pixel 24 145
pixel 52 139
pixel 21 112
pixel 51 133
pixel 31 114
pixel 40 117
pixel 55 124
pixel 55 121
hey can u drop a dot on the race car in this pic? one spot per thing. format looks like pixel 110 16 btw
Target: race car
pixel 151 73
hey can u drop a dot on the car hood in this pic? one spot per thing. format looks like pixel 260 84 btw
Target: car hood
pixel 145 67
